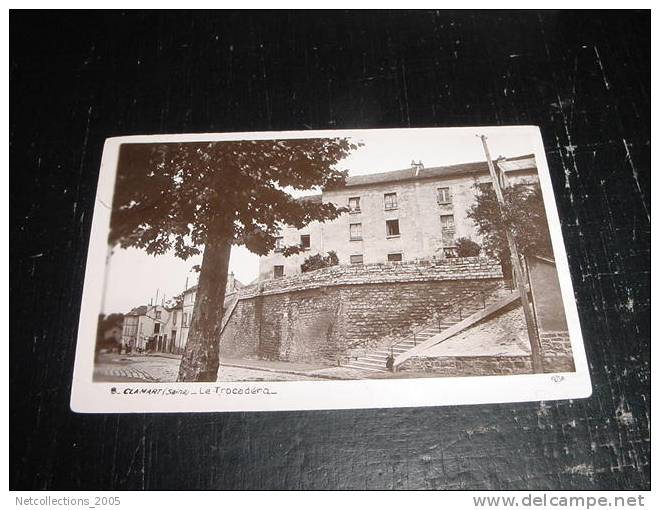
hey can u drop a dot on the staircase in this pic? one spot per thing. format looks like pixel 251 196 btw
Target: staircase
pixel 376 359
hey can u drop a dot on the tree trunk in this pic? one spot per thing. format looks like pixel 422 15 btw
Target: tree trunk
pixel 200 358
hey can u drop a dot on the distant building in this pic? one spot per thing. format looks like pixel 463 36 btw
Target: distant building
pixel 144 328
pixel 187 306
pixel 403 215
pixel 180 316
pixel 173 329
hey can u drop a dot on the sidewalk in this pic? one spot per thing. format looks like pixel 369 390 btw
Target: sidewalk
pixel 164 355
pixel 281 367
pixel 313 370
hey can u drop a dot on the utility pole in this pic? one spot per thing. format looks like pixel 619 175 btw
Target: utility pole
pixel 537 362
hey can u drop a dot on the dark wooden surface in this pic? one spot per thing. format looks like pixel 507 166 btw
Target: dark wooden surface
pixel 76 79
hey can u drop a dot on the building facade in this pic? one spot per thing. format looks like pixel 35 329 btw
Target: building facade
pixel 144 328
pixel 405 215
pixel 173 330
pixel 180 315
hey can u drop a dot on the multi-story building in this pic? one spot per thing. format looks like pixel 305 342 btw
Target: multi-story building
pixel 403 215
pixel 187 307
pixel 144 328
pixel 173 329
pixel 180 315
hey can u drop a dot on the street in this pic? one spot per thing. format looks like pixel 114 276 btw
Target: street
pixel 136 368
pixel 165 368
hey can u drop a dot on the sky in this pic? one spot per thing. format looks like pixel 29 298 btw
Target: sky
pixel 135 278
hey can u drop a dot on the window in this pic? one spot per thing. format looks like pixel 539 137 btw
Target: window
pixel 185 320
pixel 392 228
pixel 447 221
pixel 157 315
pixel 174 319
pixel 278 271
pixel 354 204
pixel 356 231
pixel 390 201
pixel 279 244
pixel 357 259
pixel 394 257
pixel 304 241
pixel 444 197
pixel 157 328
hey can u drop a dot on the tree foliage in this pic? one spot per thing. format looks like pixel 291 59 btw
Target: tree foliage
pixel 168 196
pixel 175 302
pixel 181 197
pixel 318 261
pixel 466 247
pixel 524 215
pixel 105 324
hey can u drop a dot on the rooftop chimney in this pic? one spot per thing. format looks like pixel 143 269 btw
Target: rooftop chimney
pixel 417 166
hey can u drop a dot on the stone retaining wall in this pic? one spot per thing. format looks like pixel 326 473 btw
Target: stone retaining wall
pixel 557 353
pixel 556 343
pixel 327 314
pixel 461 366
pixel 323 315
pixel 466 268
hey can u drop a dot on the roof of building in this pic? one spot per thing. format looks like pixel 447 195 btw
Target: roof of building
pixel 416 173
pixel 317 199
pixel 513 164
pixel 139 310
pixel 237 283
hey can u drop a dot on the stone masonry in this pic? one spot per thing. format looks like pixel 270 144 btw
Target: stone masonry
pixel 556 349
pixel 461 366
pixel 466 268
pixel 556 343
pixel 322 315
pixel 456 366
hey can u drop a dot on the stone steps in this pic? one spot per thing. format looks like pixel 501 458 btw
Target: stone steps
pixel 361 365
pixel 376 359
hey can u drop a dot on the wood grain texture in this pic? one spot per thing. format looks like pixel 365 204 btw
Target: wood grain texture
pixel 77 78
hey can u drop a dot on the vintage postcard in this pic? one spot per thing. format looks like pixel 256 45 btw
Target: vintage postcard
pixel 326 270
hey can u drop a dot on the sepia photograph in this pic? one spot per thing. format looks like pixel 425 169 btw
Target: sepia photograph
pixel 329 248
pixel 366 255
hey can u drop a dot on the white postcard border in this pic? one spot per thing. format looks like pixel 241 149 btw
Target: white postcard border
pixel 95 397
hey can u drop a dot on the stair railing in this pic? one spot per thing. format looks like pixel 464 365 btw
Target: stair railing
pixel 460 306
pixel 444 310
pixel 413 334
pixel 482 293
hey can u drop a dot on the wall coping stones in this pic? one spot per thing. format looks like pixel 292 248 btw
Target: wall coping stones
pixel 465 268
